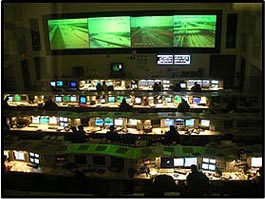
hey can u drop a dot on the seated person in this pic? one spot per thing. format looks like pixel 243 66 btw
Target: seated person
pixel 196 87
pixel 112 135
pixel 197 182
pixel 124 106
pixel 171 135
pixel 156 87
pixel 99 87
pixel 104 86
pixel 176 87
pixel 183 106
pixel 50 105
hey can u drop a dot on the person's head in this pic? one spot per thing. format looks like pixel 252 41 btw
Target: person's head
pixel 195 83
pixel 103 83
pixel 112 128
pixel 80 128
pixel 172 128
pixel 193 168
pixel 123 100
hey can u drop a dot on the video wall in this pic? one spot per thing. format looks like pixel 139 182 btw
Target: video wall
pixel 186 31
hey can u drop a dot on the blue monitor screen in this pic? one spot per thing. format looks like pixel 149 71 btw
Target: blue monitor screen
pixel 58 99
pixel 111 99
pixel 59 83
pixel 108 121
pixel 82 99
pixel 168 99
pixel 99 122
pixel 189 123
pixel 196 100
pixel 179 122
pixel 44 120
pixel 73 84
pixel 169 122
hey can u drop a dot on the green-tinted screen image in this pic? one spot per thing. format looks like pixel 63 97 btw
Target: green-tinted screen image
pixel 68 33
pixel 152 31
pixel 194 31
pixel 109 32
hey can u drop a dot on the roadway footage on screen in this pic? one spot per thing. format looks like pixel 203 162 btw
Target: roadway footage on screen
pixel 194 31
pixel 181 31
pixel 68 33
pixel 152 31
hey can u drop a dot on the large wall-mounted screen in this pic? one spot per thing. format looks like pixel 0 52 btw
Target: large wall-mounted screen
pixel 167 30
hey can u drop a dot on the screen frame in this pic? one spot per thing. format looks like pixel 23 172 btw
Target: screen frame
pixel 216 49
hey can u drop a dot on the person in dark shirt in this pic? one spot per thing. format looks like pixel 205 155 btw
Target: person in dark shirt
pixel 196 87
pixel 197 182
pixel 171 135
pixel 112 135
pixel 183 106
pixel 156 87
pixel 99 87
pixel 124 106
pixel 50 105
pixel 104 86
pixel 176 87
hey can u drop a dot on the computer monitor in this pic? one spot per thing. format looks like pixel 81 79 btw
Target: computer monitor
pixel 189 122
pixel 196 100
pixel 178 162
pixel 190 161
pixel 118 122
pixel 73 98
pixel 120 98
pixel 168 99
pixel 19 155
pixel 66 98
pixel 178 99
pixel 53 120
pixel 108 121
pixel 158 100
pixel 138 100
pixel 166 162
pixel 212 167
pixel 169 122
pixel 111 99
pixel 205 123
pixel 256 162
pixel 213 161
pixel 102 100
pixel 128 100
pixel 99 121
pixel 44 119
pixel 10 98
pixel 58 99
pixel 207 160
pixel 59 83
pixel 52 83
pixel 73 84
pixel 132 122
pixel 179 122
pixel 82 99
pixel 134 85
pixel 205 83
pixel 183 85
pixel 35 120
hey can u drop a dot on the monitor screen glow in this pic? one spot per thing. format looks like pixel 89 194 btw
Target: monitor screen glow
pixel 111 99
pixel 213 161
pixel 138 100
pixel 35 120
pixel 256 161
pixel 168 99
pixel 59 83
pixel 179 122
pixel 108 121
pixel 196 100
pixel 178 162
pixel 66 98
pixel 52 83
pixel 206 160
pixel 118 122
pixel 169 122
pixel 183 85
pixel 99 122
pixel 73 84
pixel 132 122
pixel 212 167
pixel 44 120
pixel 53 120
pixel 19 155
pixel 205 123
pixel 205 166
pixel 190 161
pixel 58 99
pixel 189 123
pixel 73 98
pixel 82 99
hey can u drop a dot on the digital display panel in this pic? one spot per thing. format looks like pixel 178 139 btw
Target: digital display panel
pixel 179 122
pixel 185 30
pixel 108 121
pixel 58 99
pixel 169 122
pixel 120 98
pixel 59 83
pixel 116 68
pixel 99 122
pixel 73 98
pixel 19 155
pixel 138 100
pixel 73 84
pixel 53 120
pixel 212 167
pixel 166 162
pixel 182 59
pixel 164 59
pixel 190 161
pixel 35 120
pixel 111 99
pixel 178 162
pixel 205 123
pixel 52 83
pixel 132 122
pixel 189 123
pixel 66 98
pixel 256 161
pixel 168 99
pixel 44 119
pixel 118 122
pixel 183 85
pixel 196 100
pixel 82 99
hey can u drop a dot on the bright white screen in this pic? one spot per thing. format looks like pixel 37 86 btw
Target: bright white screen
pixel 133 122
pixel 138 100
pixel 205 166
pixel 213 161
pixel 212 167
pixel 206 160
pixel 256 162
pixel 178 162
pixel 118 122
pixel 190 161
pixel 205 123
pixel 19 155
